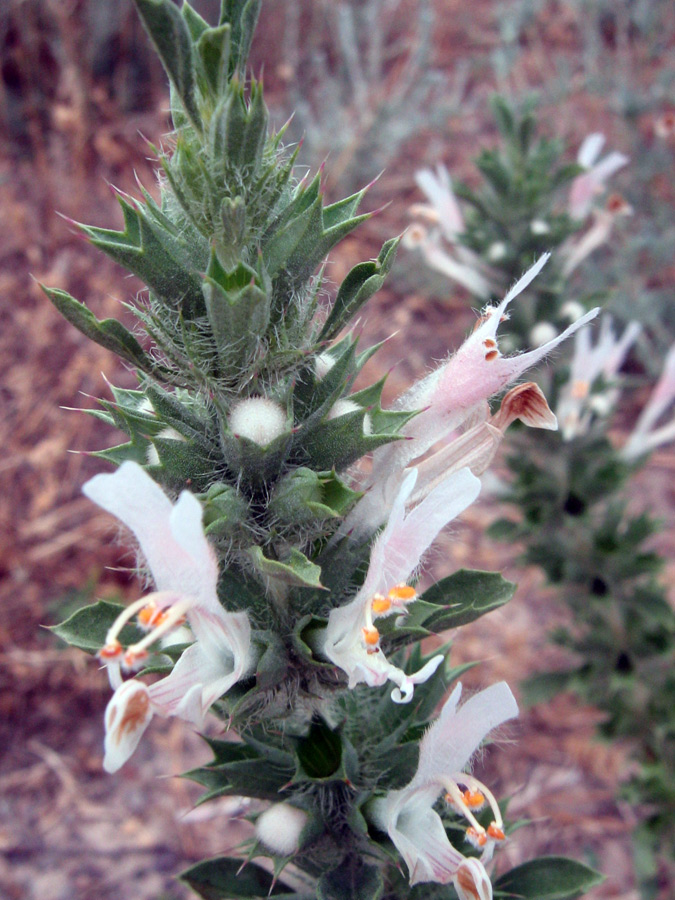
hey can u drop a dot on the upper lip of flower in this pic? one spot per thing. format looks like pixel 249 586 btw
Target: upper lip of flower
pixel 351 639
pixel 408 815
pixel 185 570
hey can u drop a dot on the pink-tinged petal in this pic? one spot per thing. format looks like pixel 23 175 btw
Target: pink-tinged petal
pixel 421 840
pixel 438 189
pixel 455 736
pixel 590 149
pixel 127 716
pixel 132 496
pixel 399 549
pixel 406 683
pixel 471 881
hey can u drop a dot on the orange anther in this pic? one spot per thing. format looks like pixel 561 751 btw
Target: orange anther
pixel 402 592
pixel 371 636
pixel 133 657
pixel 110 651
pixel 380 604
pixel 489 343
pixel 477 838
pixel 491 354
pixel 496 832
pixel 473 799
pixel 145 615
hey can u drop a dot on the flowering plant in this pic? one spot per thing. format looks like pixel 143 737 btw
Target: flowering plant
pixel 573 516
pixel 272 556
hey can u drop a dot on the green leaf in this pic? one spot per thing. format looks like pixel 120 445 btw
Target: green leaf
pixel 87 628
pixel 109 333
pixel 170 34
pixel 465 596
pixel 358 287
pixel 547 878
pixel 223 878
pixel 296 570
pixel 319 754
pixel 351 880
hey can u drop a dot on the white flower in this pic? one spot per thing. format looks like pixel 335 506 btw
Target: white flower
pixel 453 396
pixel 444 216
pixel 438 189
pixel 185 571
pixel 408 814
pixel 575 407
pixel 589 184
pixel 646 436
pixel 351 638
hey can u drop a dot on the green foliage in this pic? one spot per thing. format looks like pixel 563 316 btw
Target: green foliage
pixel 547 878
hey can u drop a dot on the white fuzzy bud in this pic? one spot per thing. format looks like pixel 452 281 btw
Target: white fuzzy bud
pixel 572 310
pixel 279 828
pixel 497 251
pixel 167 434
pixel 258 419
pixel 538 226
pixel 323 363
pixel 341 408
pixel 542 333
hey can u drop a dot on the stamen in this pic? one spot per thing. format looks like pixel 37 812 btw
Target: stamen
pixel 134 658
pixel 172 617
pixel 491 355
pixel 380 604
pixel 489 343
pixel 475 785
pixel 371 636
pixel 455 798
pixel 476 837
pixel 474 799
pixel 402 593
pixel 495 832
pixel 580 389
pixel 111 651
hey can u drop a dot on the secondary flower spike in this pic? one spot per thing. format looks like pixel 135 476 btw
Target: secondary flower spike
pixel 185 571
pixel 408 814
pixel 351 639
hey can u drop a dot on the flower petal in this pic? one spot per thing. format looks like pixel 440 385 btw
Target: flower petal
pixel 126 717
pixel 172 538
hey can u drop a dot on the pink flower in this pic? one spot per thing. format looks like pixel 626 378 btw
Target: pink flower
pixel 576 406
pixel 408 814
pixel 351 639
pixel 589 184
pixel 185 570
pixel 453 396
pixel 647 436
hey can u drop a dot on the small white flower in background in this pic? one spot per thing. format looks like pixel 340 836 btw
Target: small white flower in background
pixel 646 435
pixel 257 419
pixel 351 640
pixel 575 250
pixel 451 397
pixel 542 333
pixel 185 571
pixel 444 209
pixel 586 187
pixel 444 217
pixel 577 404
pixel 408 814
pixel 280 828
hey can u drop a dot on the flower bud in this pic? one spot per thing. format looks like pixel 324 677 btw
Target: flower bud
pixel 471 881
pixel 258 419
pixel 279 828
pixel 497 251
pixel 572 310
pixel 542 333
